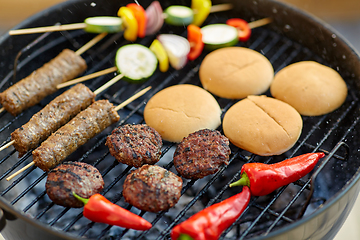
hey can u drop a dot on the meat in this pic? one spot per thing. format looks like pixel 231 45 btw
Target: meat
pixel 201 153
pixel 54 115
pixel 152 188
pixel 84 126
pixel 135 145
pixel 81 178
pixel 42 82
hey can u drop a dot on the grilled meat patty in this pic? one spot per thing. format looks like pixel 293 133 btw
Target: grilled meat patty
pixel 54 115
pixel 135 145
pixel 42 82
pixel 152 188
pixel 201 154
pixel 84 126
pixel 81 178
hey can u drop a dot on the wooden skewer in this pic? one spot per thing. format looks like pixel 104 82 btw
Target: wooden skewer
pixel 81 50
pixel 135 96
pixel 260 22
pixel 87 77
pixel 7 145
pixel 73 26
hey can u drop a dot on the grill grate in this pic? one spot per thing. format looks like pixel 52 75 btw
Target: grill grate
pixel 263 215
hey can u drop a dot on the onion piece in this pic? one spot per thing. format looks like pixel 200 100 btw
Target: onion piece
pixel 155 19
pixel 177 48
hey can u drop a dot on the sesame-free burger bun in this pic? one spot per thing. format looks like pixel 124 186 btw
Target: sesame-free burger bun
pixel 179 110
pixel 310 87
pixel 262 125
pixel 236 72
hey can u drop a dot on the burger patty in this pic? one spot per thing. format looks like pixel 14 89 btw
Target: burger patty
pixel 152 188
pixel 135 145
pixel 81 178
pixel 201 154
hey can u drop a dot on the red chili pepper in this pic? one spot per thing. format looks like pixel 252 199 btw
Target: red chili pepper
pixel 194 37
pixel 209 223
pixel 263 179
pixel 98 209
pixel 140 16
pixel 244 31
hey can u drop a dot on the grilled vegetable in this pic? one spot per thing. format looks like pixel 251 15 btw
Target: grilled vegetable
pixel 130 23
pixel 98 209
pixel 263 179
pixel 244 31
pixel 201 10
pixel 155 18
pixel 209 223
pixel 177 49
pixel 179 15
pixel 194 37
pixel 140 16
pixel 136 62
pixel 103 24
pixel 219 35
pixel 161 55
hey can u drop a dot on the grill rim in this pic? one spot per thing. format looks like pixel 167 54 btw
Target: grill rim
pixel 350 185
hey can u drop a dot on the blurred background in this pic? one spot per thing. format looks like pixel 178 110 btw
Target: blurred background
pixel 343 15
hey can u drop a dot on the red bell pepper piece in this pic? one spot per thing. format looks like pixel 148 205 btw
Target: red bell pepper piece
pixel 209 223
pixel 140 15
pixel 194 36
pixel 263 179
pixel 98 209
pixel 244 31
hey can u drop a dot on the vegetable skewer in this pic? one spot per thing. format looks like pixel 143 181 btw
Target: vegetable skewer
pixel 43 81
pixel 98 24
pixel 88 123
pixel 54 115
pixel 163 67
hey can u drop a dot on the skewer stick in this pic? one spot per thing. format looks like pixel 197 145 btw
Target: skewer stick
pixel 91 43
pixel 221 7
pixel 135 96
pixel 73 26
pixel 7 145
pixel 259 23
pixel 87 77
pixel 108 84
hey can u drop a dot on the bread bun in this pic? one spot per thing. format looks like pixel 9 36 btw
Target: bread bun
pixel 236 72
pixel 311 88
pixel 262 125
pixel 179 110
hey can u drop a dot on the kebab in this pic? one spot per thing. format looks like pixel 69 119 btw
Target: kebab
pixel 43 81
pixel 84 126
pixel 177 50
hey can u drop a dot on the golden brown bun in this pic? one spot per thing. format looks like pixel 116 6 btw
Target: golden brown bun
pixel 262 125
pixel 179 110
pixel 311 88
pixel 236 72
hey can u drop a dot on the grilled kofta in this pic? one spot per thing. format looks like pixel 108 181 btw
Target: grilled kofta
pixel 81 178
pixel 42 82
pixel 152 188
pixel 54 115
pixel 201 153
pixel 135 145
pixel 84 126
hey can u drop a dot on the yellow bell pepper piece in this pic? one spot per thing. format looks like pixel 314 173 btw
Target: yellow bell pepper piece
pixel 201 10
pixel 130 23
pixel 157 48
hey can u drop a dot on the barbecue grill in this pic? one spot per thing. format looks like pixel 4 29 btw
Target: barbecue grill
pixel 314 207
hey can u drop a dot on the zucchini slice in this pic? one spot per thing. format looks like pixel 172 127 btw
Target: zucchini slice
pixel 103 24
pixel 219 35
pixel 136 62
pixel 178 15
